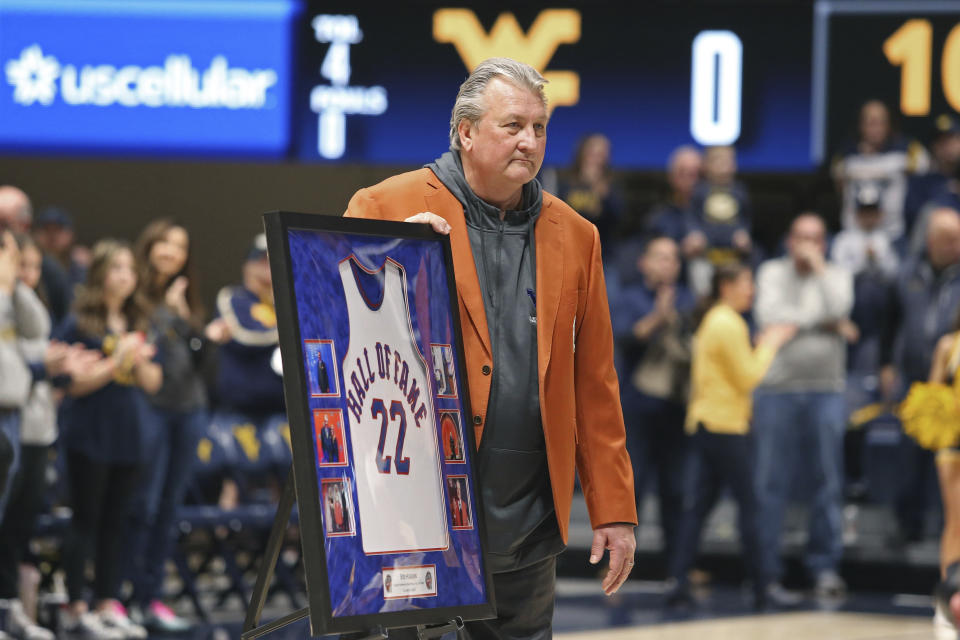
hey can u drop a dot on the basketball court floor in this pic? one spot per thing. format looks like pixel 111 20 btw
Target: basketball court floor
pixel 784 626
pixel 721 613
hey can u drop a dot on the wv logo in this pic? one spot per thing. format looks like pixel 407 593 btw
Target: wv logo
pixel 549 30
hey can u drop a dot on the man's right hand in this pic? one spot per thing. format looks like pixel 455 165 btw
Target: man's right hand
pixel 810 255
pixel 666 300
pixel 426 217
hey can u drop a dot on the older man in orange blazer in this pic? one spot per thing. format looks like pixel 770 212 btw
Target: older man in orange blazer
pixel 537 338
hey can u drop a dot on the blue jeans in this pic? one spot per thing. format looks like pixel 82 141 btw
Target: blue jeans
pixel 9 453
pixel 800 435
pixel 166 475
pixel 721 460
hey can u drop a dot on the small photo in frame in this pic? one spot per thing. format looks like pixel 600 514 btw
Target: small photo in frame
pixel 321 359
pixel 461 513
pixel 337 507
pixel 331 442
pixel 451 436
pixel 444 374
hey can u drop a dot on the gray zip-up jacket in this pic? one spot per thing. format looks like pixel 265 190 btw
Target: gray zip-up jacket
pixel 512 461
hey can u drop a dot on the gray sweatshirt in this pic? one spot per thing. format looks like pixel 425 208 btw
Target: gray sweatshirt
pixel 22 315
pixel 38 419
pixel 816 358
pixel 512 461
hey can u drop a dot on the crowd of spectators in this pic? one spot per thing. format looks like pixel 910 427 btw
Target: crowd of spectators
pixel 865 304
pixel 108 364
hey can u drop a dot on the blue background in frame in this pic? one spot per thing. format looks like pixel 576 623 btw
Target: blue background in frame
pixel 355 578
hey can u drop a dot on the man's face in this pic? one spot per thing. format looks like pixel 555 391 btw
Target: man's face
pixel 807 235
pixel 869 218
pixel 661 262
pixel 53 238
pixel 874 123
pixel 256 275
pixel 720 165
pixel 943 238
pixel 685 172
pixel 13 205
pixel 507 144
pixel 946 150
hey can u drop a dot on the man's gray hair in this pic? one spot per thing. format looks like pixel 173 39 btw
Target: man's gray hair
pixel 14 201
pixel 682 150
pixel 470 104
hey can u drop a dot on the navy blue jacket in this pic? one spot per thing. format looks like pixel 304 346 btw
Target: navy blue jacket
pixel 923 307
pixel 630 300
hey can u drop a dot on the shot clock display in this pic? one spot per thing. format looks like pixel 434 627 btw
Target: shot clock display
pixel 906 54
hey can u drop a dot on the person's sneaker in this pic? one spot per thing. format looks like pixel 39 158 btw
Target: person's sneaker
pixel 829 584
pixel 20 625
pixel 161 618
pixel 88 625
pixel 136 615
pixel 114 616
pixel 943 628
pixel 775 596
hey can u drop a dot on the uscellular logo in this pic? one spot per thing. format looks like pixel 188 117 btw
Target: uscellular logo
pixel 37 78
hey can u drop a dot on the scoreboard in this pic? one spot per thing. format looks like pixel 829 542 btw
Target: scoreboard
pixel 905 53
pixel 650 76
pixel 344 82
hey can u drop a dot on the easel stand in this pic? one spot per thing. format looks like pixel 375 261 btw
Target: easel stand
pixel 251 625
pixel 426 633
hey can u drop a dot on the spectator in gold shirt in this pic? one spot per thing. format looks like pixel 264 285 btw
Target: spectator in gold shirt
pixel 726 368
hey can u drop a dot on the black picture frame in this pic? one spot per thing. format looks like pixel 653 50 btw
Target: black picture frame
pixel 278 225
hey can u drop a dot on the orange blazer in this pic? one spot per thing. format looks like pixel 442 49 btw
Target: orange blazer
pixel 579 394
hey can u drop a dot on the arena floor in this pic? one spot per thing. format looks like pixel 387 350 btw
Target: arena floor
pixel 721 613
pixel 784 626
pixel 888 605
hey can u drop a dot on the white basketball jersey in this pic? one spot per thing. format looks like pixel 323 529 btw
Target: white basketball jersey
pixel 392 426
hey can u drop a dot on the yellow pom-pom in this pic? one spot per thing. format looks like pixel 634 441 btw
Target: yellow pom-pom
pixel 931 415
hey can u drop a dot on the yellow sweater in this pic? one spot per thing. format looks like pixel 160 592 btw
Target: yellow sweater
pixel 725 370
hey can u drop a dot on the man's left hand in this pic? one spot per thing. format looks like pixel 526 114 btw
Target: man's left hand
pixel 620 541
